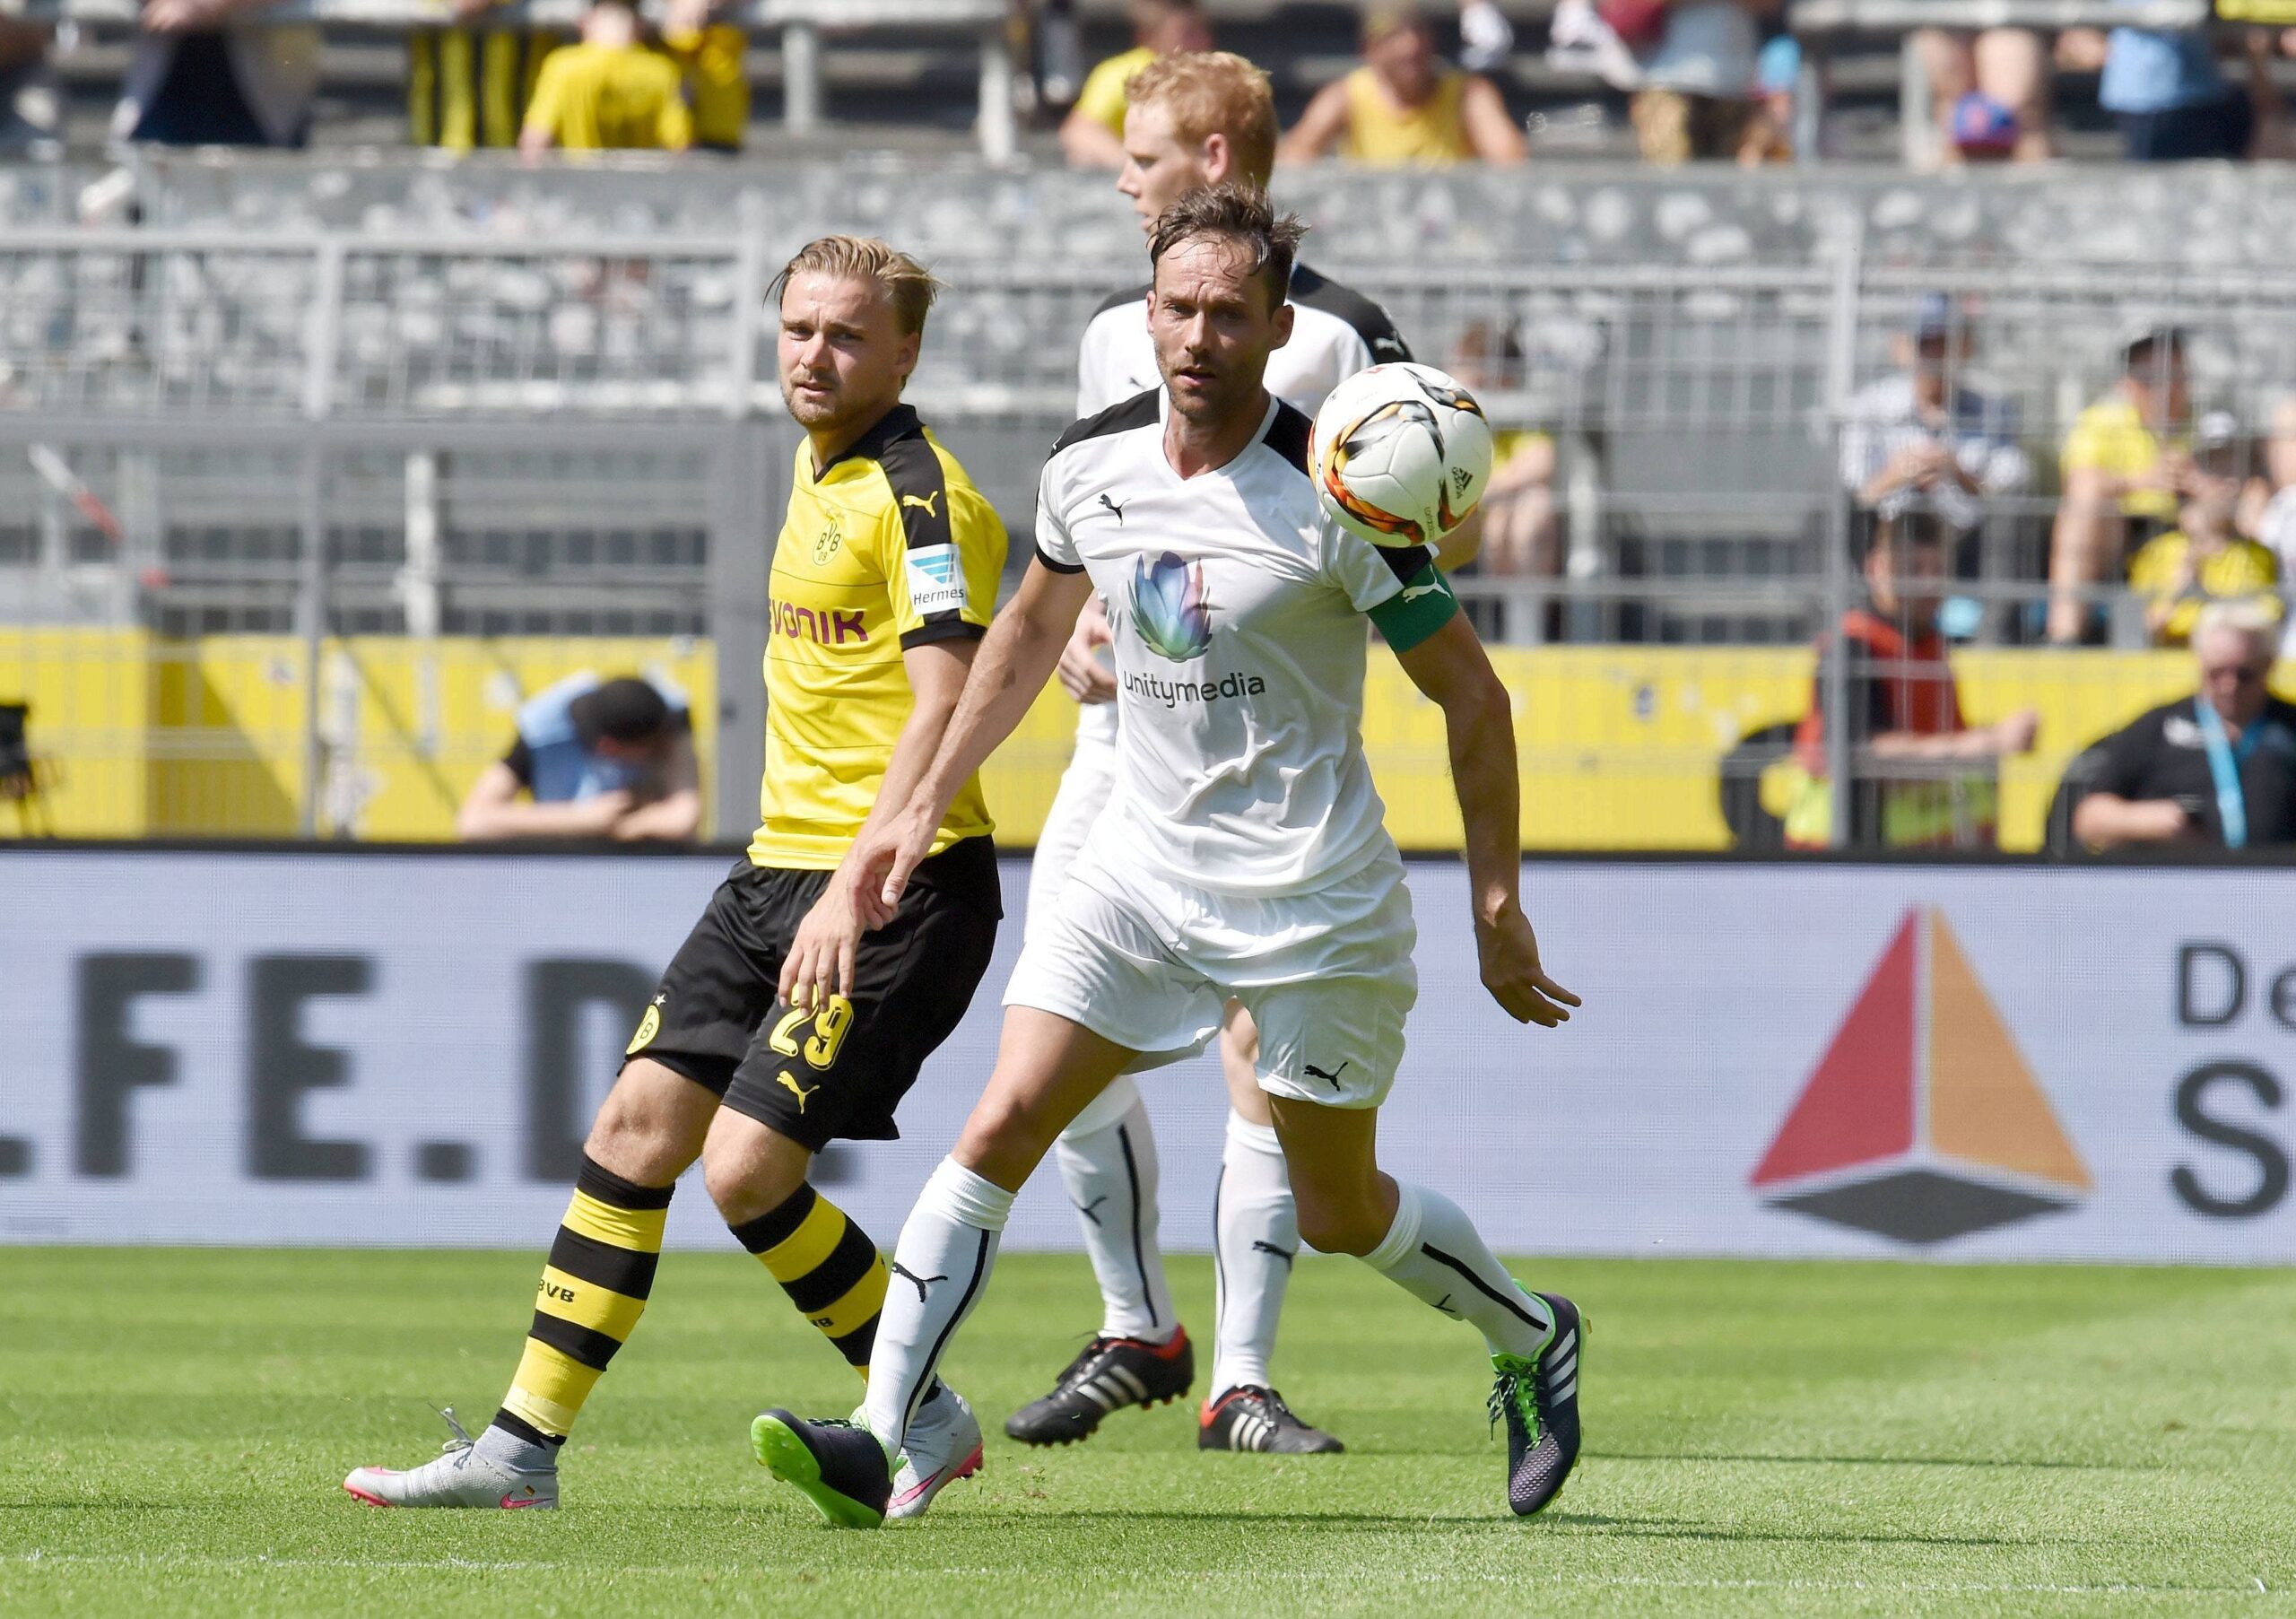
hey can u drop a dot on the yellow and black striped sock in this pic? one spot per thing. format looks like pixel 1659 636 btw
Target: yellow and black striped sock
pixel 827 1265
pixel 593 1291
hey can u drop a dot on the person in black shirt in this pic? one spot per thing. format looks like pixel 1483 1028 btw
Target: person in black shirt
pixel 2217 768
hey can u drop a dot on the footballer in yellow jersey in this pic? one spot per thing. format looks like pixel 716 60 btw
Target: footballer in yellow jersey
pixel 883 580
pixel 887 548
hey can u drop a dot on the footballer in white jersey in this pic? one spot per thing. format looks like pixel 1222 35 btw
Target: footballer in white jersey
pixel 1194 120
pixel 1243 859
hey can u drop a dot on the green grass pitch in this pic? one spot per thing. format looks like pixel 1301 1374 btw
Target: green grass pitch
pixel 1763 1439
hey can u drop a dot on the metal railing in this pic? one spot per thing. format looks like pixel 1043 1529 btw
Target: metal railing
pixel 265 483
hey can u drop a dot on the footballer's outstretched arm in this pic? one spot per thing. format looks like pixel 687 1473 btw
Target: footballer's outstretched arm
pixel 821 951
pixel 1452 669
pixel 1014 661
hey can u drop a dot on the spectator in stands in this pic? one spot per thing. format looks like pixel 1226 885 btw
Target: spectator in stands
pixel 1517 532
pixel 1990 89
pixel 2171 99
pixel 1701 81
pixel 713 54
pixel 1092 135
pixel 31 109
pixel 1924 437
pixel 598 760
pixel 2205 559
pixel 468 85
pixel 1921 776
pixel 2124 465
pixel 1403 107
pixel 215 72
pixel 2215 769
pixel 609 93
pixel 2268 506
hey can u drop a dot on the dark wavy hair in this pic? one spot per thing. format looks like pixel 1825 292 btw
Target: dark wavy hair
pixel 1240 213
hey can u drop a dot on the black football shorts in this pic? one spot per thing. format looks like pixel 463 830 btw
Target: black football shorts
pixel 837 1073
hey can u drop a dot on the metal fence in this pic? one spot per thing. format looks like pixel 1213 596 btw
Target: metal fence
pixel 288 523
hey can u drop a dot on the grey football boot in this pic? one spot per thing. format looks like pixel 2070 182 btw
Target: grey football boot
pixel 461 1477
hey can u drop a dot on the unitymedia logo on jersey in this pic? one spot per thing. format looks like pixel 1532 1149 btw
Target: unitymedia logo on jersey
pixel 1173 619
pixel 1922 1122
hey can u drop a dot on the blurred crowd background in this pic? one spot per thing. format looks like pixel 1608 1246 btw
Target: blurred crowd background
pixel 370 369
pixel 1937 81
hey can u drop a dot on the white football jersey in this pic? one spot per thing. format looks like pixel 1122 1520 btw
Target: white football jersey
pixel 1236 608
pixel 1336 332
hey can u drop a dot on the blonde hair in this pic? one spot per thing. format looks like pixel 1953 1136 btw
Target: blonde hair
pixel 1210 92
pixel 907 282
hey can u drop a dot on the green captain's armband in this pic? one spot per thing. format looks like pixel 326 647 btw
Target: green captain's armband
pixel 1424 606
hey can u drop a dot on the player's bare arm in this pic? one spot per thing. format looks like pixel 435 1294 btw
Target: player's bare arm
pixel 821 956
pixel 1452 668
pixel 1015 660
pixel 1082 675
pixel 494 809
pixel 673 813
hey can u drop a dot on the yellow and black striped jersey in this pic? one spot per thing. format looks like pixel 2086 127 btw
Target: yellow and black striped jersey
pixel 889 547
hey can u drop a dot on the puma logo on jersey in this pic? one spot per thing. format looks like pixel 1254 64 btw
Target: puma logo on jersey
pixel 1331 1078
pixel 1412 593
pixel 1113 507
pixel 1284 1254
pixel 789 1084
pixel 907 1274
pixel 1090 1211
pixel 924 503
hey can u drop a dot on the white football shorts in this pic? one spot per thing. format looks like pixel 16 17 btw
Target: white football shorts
pixel 1151 963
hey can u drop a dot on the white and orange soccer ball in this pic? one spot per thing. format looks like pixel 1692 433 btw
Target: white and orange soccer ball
pixel 1402 454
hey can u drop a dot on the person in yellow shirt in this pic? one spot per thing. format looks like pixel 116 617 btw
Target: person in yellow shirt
pixel 2125 465
pixel 2205 559
pixel 607 93
pixel 883 580
pixel 713 57
pixel 1092 135
pixel 468 85
pixel 1404 108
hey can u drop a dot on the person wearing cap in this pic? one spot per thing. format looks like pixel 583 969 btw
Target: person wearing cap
pixel 1921 775
pixel 2125 465
pixel 2213 769
pixel 1092 135
pixel 1403 107
pixel 2206 558
pixel 593 759
pixel 1924 436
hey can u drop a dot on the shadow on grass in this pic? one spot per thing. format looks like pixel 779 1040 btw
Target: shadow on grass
pixel 1645 1529
pixel 1872 1461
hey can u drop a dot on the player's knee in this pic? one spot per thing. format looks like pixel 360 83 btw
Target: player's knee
pixel 1332 1226
pixel 751 1171
pixel 639 1142
pixel 1003 1140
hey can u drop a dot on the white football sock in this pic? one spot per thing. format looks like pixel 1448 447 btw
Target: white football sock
pixel 939 1268
pixel 1433 1252
pixel 1107 1162
pixel 1255 1236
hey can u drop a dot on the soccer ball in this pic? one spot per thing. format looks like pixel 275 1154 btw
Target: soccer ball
pixel 1401 454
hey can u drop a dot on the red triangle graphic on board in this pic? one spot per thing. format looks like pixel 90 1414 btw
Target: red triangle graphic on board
pixel 1859 1105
